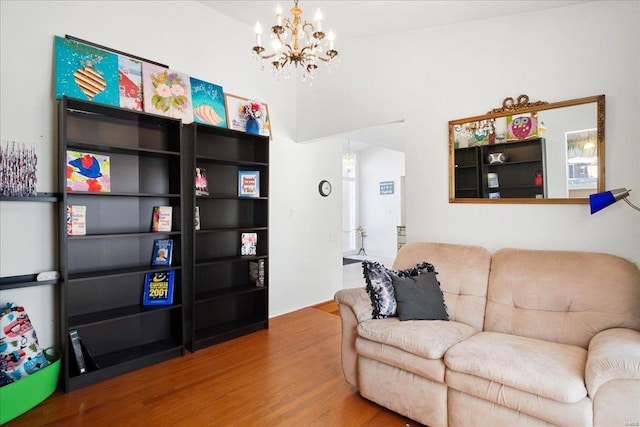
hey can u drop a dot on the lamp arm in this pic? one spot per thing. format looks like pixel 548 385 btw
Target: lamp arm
pixel 631 204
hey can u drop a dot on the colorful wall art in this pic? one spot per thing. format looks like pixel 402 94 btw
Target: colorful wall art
pixel 88 172
pixel 166 92
pixel 241 111
pixel 130 79
pixel 85 72
pixel 208 103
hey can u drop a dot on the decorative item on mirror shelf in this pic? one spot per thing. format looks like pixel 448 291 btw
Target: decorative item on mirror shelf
pixel 497 158
pixel 492 180
pixel 537 179
pixel 197 218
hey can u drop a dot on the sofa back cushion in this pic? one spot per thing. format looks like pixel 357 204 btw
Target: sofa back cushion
pixel 561 296
pixel 463 273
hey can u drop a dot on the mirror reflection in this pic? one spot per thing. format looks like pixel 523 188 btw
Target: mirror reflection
pixel 529 152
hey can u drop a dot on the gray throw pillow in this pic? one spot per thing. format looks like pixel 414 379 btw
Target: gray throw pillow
pixel 419 297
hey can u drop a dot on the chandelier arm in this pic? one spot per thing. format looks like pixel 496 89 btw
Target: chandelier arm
pixel 631 204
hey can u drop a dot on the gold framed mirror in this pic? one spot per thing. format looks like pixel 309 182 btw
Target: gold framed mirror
pixel 529 152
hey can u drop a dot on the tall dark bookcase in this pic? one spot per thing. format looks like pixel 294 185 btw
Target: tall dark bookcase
pixel 224 302
pixel 103 271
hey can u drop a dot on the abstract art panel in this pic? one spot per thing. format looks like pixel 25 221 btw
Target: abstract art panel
pixel 208 103
pixel 85 72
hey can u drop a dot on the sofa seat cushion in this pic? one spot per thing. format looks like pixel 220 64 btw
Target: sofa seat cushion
pixel 426 338
pixel 579 413
pixel 543 368
pixel 432 369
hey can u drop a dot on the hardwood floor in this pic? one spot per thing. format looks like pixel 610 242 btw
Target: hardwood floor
pixel 288 375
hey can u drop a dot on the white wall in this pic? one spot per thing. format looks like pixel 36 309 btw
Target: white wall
pixel 194 39
pixel 429 77
pixel 380 214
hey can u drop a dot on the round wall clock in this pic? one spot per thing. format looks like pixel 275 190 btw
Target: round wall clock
pixel 324 188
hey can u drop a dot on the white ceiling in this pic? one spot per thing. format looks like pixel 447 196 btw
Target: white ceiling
pixel 361 18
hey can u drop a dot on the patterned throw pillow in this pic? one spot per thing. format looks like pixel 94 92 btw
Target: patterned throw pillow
pixel 380 286
pixel 380 289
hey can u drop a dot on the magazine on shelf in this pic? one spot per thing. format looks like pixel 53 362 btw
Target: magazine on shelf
pixel 162 252
pixel 202 186
pixel 158 288
pixel 76 220
pixel 197 218
pixel 77 351
pixel 249 183
pixel 249 244
pixel 162 216
pixel 256 272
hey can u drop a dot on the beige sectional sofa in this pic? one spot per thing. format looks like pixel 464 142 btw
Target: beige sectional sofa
pixel 534 338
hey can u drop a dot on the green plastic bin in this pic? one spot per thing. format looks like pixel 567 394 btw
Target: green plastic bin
pixel 22 395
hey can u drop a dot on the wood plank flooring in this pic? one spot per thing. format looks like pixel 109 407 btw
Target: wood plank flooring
pixel 288 375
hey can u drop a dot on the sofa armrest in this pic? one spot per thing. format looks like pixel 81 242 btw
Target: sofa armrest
pixel 358 301
pixel 614 354
pixel 355 307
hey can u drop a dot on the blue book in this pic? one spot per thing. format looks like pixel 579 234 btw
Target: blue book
pixel 158 288
pixel 162 252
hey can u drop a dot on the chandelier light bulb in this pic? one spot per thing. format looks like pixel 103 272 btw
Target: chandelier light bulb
pixel 258 30
pixel 318 19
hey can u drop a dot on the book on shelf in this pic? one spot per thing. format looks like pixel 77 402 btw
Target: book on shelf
pixel 256 272
pixel 76 220
pixel 162 252
pixel 492 180
pixel 88 172
pixel 202 186
pixel 158 288
pixel 248 183
pixel 196 218
pixel 249 244
pixel 161 220
pixel 77 351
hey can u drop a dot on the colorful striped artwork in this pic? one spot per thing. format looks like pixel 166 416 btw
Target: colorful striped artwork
pixel 85 72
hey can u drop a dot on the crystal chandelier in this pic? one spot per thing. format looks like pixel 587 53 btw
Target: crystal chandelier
pixel 349 159
pixel 295 42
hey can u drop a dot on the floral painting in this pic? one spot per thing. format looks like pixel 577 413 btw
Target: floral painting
pixel 208 103
pixel 85 72
pixel 243 112
pixel 88 172
pixel 166 92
